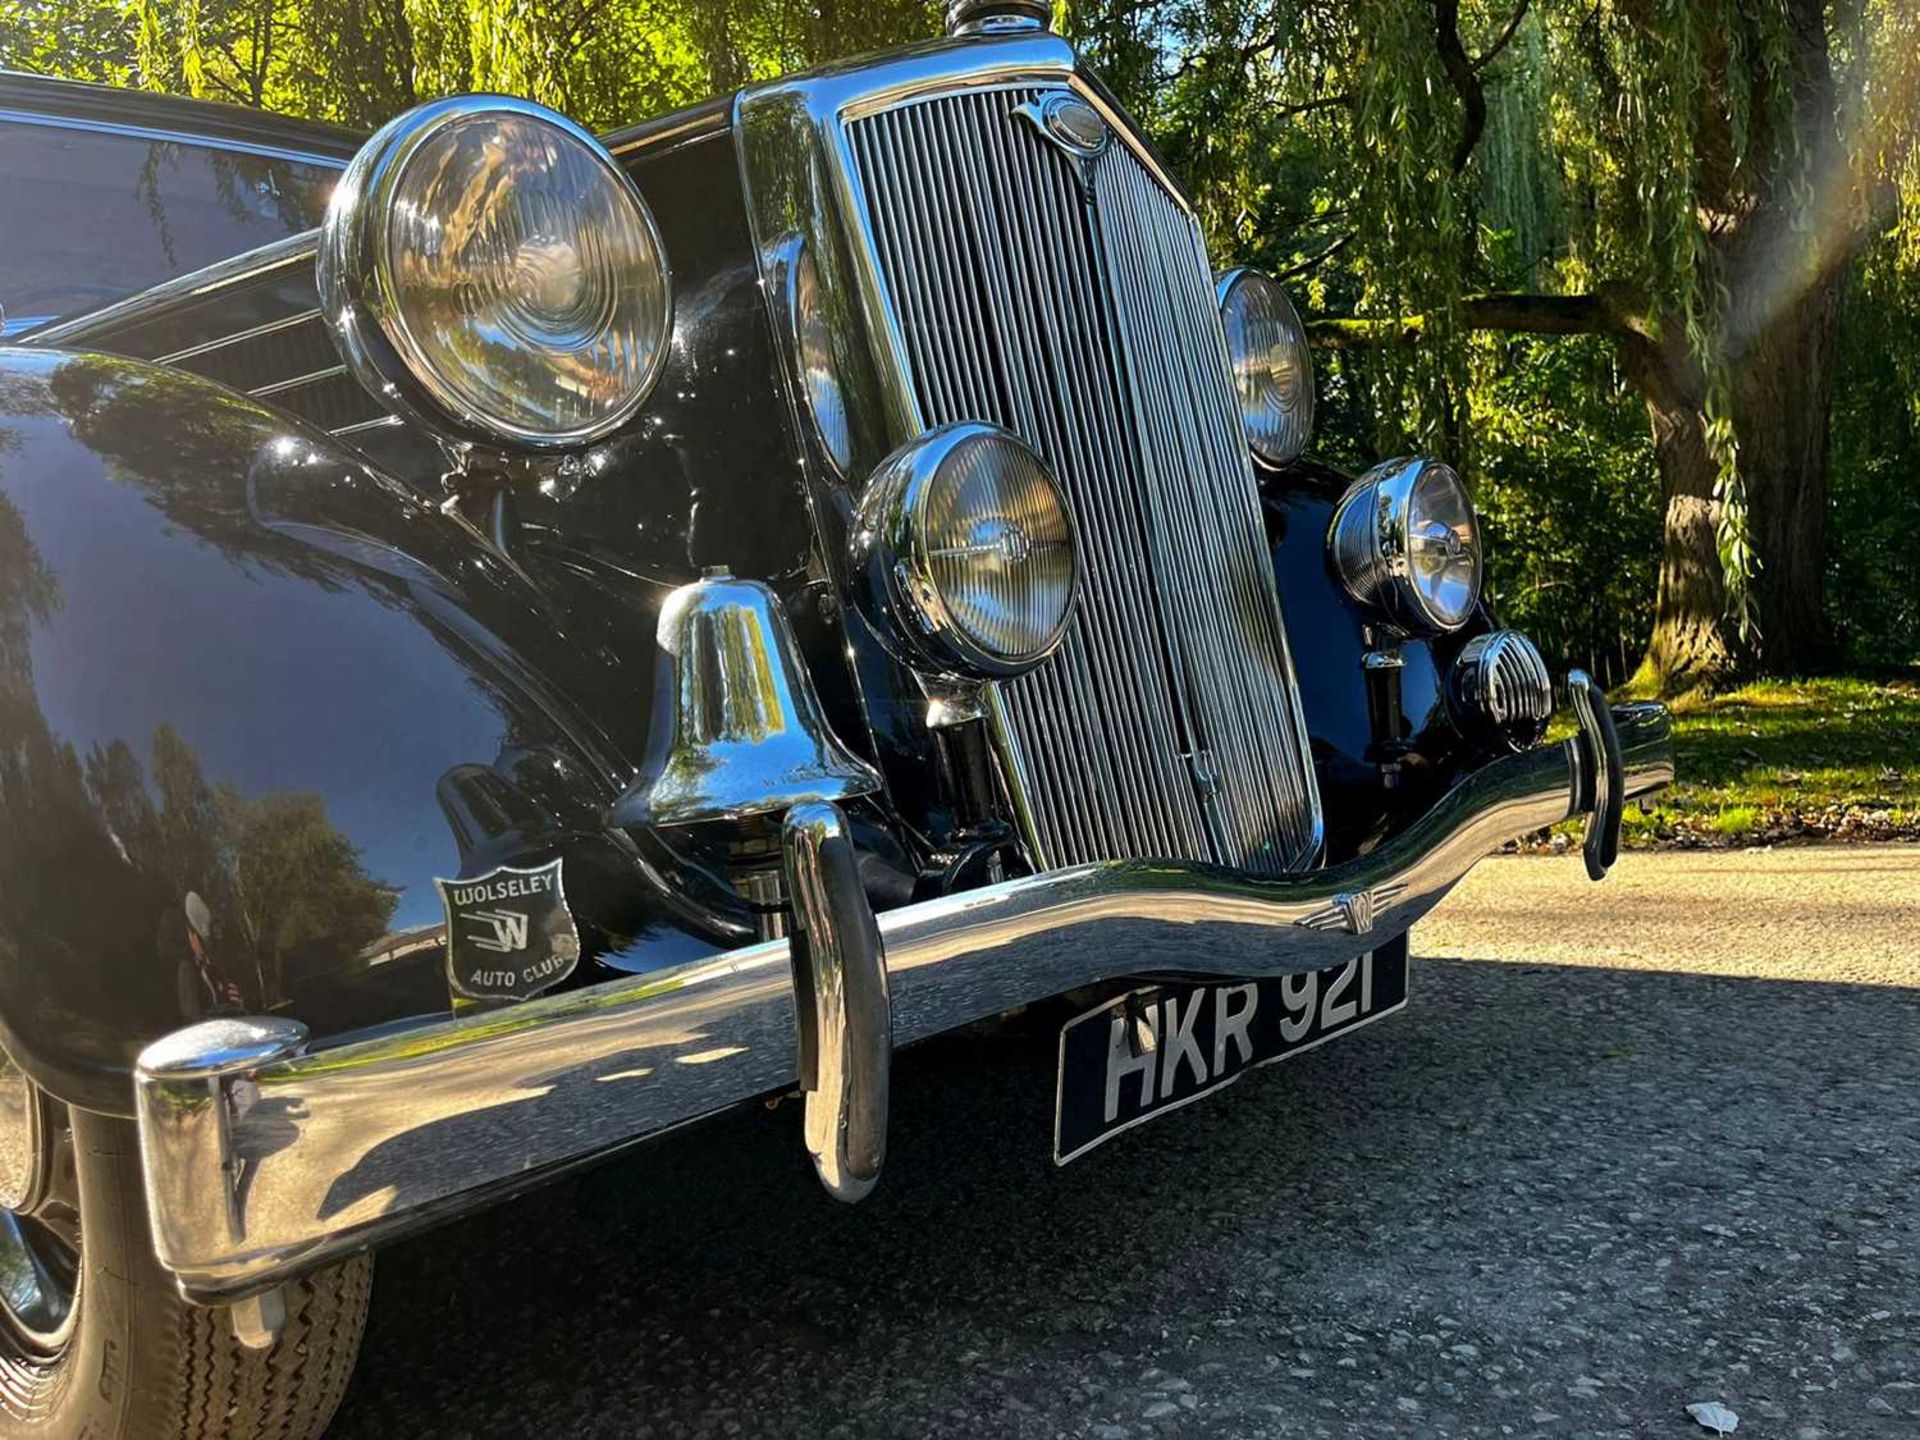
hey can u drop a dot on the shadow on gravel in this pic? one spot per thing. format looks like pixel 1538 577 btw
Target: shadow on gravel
pixel 1540 1200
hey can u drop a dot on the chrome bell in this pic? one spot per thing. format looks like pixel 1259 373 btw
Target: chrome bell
pixel 738 732
pixel 737 728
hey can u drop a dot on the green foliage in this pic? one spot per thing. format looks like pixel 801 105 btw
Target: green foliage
pixel 358 62
pixel 81 39
pixel 1327 141
pixel 1568 499
pixel 1873 560
pixel 1626 142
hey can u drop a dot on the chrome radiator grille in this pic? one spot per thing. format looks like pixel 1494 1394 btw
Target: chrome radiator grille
pixel 1079 313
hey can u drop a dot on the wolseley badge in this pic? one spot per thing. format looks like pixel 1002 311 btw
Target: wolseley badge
pixel 1069 122
pixel 509 933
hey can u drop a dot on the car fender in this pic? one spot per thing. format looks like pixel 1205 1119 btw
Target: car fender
pixel 255 697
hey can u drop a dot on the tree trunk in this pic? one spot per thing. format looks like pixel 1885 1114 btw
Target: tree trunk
pixel 1783 245
pixel 1695 643
pixel 1782 361
pixel 1784 267
pixel 1782 400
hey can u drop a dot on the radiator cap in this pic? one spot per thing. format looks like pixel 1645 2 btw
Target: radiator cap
pixel 997 17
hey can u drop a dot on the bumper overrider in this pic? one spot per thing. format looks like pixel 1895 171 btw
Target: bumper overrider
pixel 264 1159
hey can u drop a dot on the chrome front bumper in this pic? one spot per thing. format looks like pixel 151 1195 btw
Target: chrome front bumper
pixel 263 1160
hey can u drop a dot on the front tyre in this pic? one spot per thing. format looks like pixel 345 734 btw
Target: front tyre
pixel 96 1342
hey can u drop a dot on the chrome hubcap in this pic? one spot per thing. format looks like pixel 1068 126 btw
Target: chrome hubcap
pixel 39 1221
pixel 39 1281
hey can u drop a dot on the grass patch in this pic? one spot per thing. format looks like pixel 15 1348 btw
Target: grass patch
pixel 1778 760
pixel 1736 822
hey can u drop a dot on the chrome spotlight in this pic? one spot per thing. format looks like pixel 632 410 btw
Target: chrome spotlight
pixel 1406 543
pixel 965 554
pixel 1499 692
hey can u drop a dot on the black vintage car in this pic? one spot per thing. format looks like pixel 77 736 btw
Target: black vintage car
pixel 512 642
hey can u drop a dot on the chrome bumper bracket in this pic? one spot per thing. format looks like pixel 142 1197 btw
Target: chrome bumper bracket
pixel 195 1091
pixel 1605 764
pixel 842 1010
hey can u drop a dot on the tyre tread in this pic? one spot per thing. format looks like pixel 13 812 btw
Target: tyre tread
pixel 146 1365
pixel 288 1391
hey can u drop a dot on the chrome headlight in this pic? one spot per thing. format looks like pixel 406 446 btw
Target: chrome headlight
pixel 819 371
pixel 966 553
pixel 489 269
pixel 1406 542
pixel 1272 367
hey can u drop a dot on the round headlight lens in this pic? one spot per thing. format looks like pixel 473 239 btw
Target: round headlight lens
pixel 1272 367
pixel 968 553
pixel 1406 542
pixel 813 339
pixel 488 264
pixel 1443 547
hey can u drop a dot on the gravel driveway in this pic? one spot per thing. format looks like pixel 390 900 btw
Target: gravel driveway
pixel 1677 1163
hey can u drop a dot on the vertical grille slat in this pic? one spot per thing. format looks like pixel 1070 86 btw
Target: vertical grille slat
pixel 1024 334
pixel 1049 256
pixel 1190 420
pixel 1077 310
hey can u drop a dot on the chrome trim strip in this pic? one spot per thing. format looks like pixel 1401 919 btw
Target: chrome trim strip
pixel 1013 763
pixel 659 135
pixel 174 137
pixel 237 269
pixel 379 422
pixel 294 382
pixel 260 1164
pixel 237 337
pixel 22 326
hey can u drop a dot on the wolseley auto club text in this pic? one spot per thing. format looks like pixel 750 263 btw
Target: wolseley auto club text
pixel 527 976
pixel 537 884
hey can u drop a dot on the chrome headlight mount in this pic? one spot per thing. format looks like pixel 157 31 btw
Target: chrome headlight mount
pixel 964 554
pixel 1271 364
pixel 1406 544
pixel 490 271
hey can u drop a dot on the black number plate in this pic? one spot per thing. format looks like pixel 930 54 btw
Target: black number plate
pixel 1154 1049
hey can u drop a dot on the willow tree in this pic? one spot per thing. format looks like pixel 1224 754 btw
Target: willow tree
pixel 358 62
pixel 1685 178
pixel 1688 178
